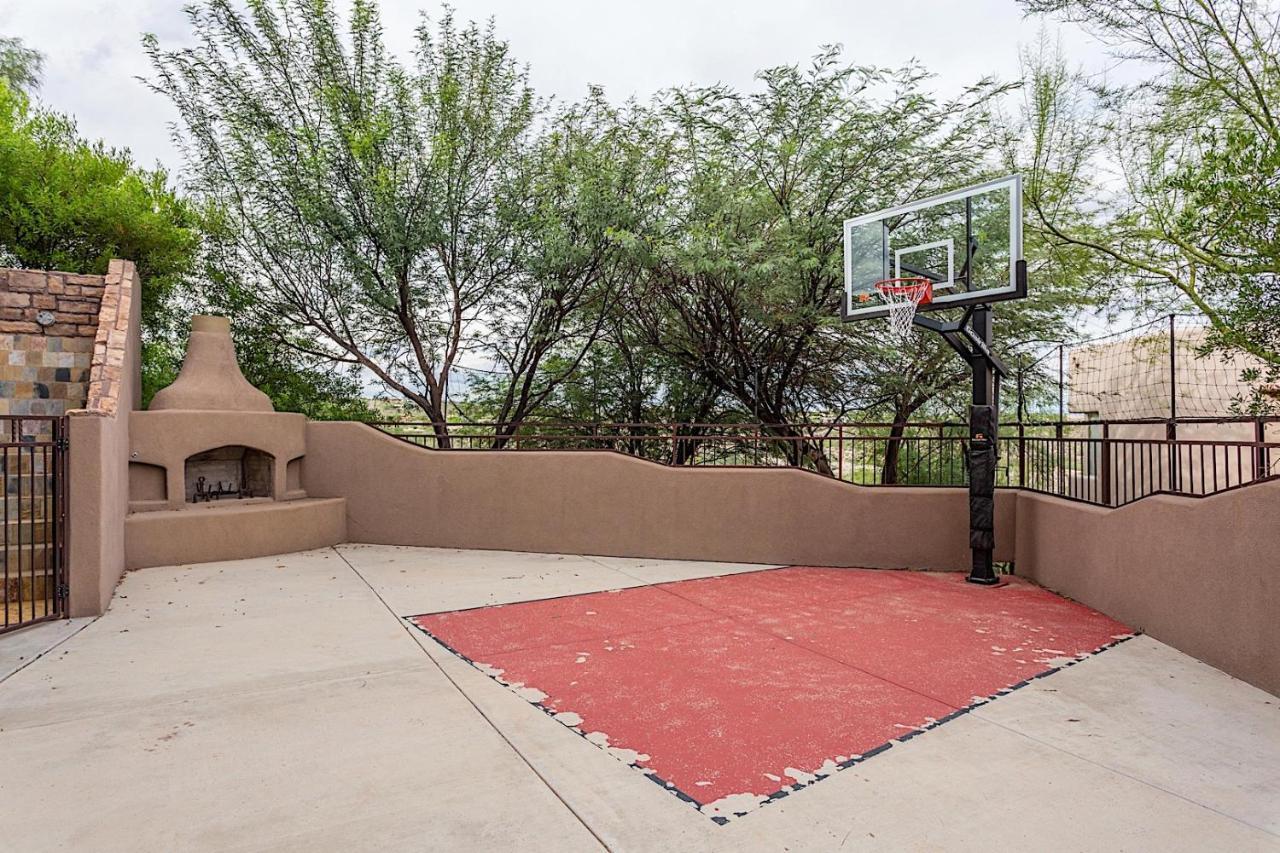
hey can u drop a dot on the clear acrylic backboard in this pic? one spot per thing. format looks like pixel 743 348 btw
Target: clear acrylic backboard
pixel 967 242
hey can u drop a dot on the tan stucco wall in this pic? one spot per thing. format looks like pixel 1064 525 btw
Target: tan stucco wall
pixel 232 532
pixel 98 461
pixel 610 504
pixel 1201 574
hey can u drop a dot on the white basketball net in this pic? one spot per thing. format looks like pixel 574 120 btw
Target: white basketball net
pixel 902 296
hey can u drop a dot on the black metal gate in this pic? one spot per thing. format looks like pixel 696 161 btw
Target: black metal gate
pixel 33 460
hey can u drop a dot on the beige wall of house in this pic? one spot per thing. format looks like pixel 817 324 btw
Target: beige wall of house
pixel 1134 377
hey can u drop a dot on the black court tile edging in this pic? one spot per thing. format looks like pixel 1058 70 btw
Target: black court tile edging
pixel 786 790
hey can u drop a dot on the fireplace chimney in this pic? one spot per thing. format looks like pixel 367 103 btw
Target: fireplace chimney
pixel 210 379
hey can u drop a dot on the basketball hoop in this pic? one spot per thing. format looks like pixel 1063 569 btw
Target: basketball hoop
pixel 903 296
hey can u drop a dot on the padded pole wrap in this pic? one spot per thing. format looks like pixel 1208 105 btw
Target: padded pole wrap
pixel 982 477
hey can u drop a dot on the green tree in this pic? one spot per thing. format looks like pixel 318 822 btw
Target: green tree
pixel 295 381
pixel 20 66
pixel 70 204
pixel 731 314
pixel 395 219
pixel 741 280
pixel 1197 144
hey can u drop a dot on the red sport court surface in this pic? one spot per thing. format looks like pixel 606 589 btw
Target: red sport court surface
pixel 737 689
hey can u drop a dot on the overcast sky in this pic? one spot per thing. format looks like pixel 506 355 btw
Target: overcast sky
pixel 93 56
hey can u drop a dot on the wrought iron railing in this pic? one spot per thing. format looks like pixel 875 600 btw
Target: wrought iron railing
pixel 32 546
pixel 1108 464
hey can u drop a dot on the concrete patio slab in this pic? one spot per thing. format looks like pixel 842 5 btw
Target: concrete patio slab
pixel 376 762
pixel 321 726
pixel 665 571
pixel 427 580
pixel 1164 718
pixel 205 629
pixel 285 704
pixel 20 648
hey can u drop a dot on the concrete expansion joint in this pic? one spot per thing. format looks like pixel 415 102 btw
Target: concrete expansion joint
pixel 528 762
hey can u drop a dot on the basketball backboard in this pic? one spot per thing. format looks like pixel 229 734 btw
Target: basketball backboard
pixel 967 242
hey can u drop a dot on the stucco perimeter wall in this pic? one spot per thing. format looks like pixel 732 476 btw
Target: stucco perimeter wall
pixel 1201 574
pixel 210 533
pixel 610 504
pixel 98 461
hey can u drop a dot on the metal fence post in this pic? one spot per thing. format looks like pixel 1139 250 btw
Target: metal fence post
pixel 1106 464
pixel 1062 413
pixel 1022 433
pixel 1171 428
pixel 1061 385
pixel 1261 464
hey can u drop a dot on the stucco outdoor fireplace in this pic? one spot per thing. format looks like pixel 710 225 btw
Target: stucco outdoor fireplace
pixel 211 438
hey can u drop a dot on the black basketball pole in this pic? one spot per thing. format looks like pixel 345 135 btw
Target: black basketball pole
pixel 970 336
pixel 983 429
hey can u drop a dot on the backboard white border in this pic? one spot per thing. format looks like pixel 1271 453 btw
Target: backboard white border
pixel 948 244
pixel 1012 182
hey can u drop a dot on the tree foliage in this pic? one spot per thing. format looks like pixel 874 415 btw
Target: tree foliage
pixel 397 219
pixel 70 204
pixel 731 311
pixel 741 279
pixel 1195 142
pixel 675 260
pixel 20 66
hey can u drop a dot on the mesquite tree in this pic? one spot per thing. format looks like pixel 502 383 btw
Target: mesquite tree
pixel 742 277
pixel 1193 206
pixel 395 218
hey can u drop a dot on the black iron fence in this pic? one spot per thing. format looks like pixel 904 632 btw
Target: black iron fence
pixel 33 462
pixel 1106 463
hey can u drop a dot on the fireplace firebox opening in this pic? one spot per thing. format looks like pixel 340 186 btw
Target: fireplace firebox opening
pixel 233 472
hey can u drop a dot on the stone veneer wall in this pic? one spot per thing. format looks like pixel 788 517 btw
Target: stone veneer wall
pixel 45 370
pixel 115 368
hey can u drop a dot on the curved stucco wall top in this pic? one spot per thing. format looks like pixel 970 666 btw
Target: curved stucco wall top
pixel 598 502
pixel 169 437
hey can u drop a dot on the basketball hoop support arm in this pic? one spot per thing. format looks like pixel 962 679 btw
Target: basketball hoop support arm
pixel 970 336
pixel 965 340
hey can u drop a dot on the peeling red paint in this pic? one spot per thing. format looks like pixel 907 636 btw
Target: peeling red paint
pixel 739 684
